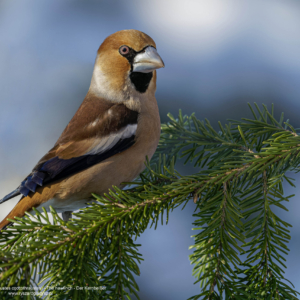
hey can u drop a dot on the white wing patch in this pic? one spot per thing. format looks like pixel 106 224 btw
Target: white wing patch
pixel 103 144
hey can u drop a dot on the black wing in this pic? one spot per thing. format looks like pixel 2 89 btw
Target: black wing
pixel 57 168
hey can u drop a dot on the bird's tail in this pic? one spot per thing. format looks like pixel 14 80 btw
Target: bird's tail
pixel 26 203
pixel 13 194
pixel 29 184
pixel 17 211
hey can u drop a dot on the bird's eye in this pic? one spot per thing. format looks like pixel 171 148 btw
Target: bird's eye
pixel 124 50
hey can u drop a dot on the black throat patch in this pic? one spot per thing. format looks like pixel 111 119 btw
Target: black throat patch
pixel 141 80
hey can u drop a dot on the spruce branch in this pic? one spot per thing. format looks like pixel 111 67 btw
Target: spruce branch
pixel 238 179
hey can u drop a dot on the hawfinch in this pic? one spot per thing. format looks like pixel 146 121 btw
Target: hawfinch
pixel 110 135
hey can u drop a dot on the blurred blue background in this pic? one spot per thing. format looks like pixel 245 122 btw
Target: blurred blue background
pixel 219 55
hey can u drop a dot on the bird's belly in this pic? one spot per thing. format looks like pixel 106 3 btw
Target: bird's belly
pixel 98 179
pixel 61 206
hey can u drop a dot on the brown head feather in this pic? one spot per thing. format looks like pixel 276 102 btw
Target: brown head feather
pixel 111 73
pixel 134 39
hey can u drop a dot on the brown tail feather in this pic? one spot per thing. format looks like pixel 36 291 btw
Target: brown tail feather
pixel 25 204
pixel 41 195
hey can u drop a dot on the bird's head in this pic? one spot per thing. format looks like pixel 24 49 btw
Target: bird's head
pixel 125 66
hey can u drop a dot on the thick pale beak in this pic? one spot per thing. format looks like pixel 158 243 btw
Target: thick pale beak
pixel 147 61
